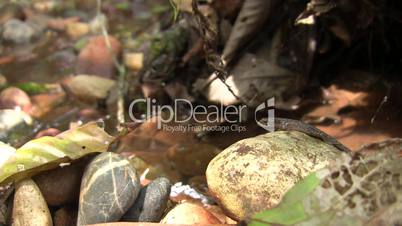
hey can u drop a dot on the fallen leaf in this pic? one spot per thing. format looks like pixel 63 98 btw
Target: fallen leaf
pixel 355 190
pixel 48 152
pixel 252 16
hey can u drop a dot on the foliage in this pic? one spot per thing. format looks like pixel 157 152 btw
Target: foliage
pixel 49 152
pixel 356 190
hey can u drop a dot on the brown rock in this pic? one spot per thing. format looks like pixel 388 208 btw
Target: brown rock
pixel 66 216
pixel 62 185
pixel 189 213
pixel 46 102
pixel 89 114
pixel 13 97
pixel 48 132
pixel 95 57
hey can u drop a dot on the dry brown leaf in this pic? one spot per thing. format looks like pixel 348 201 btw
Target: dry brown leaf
pixel 251 17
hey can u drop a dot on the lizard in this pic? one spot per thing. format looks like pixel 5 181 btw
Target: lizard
pixel 285 124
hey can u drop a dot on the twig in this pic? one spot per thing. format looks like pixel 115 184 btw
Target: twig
pixel 209 36
pixel 121 71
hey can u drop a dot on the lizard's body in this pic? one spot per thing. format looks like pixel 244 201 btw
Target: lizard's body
pixel 284 124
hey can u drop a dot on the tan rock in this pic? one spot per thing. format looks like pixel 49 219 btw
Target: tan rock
pixel 90 88
pixel 77 30
pixel 13 97
pixel 254 174
pixel 29 206
pixel 189 213
pixel 134 61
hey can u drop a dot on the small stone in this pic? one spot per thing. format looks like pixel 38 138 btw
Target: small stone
pixel 3 81
pixel 29 206
pixel 48 132
pixel 189 213
pixel 95 57
pixel 253 174
pixel 109 188
pixel 13 97
pixel 77 30
pixel 66 216
pixel 59 192
pixel 134 61
pixel 151 202
pixel 18 32
pixel 90 88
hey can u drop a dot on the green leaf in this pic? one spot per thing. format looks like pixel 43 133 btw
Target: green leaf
pixel 48 152
pixel 290 210
pixel 355 190
pixel 33 88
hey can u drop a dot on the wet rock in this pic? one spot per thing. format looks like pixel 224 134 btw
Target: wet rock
pixel 95 57
pixel 57 191
pixel 151 202
pixel 17 32
pixel 253 174
pixel 29 206
pixel 109 188
pixel 13 97
pixel 189 213
pixel 90 88
pixel 66 216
